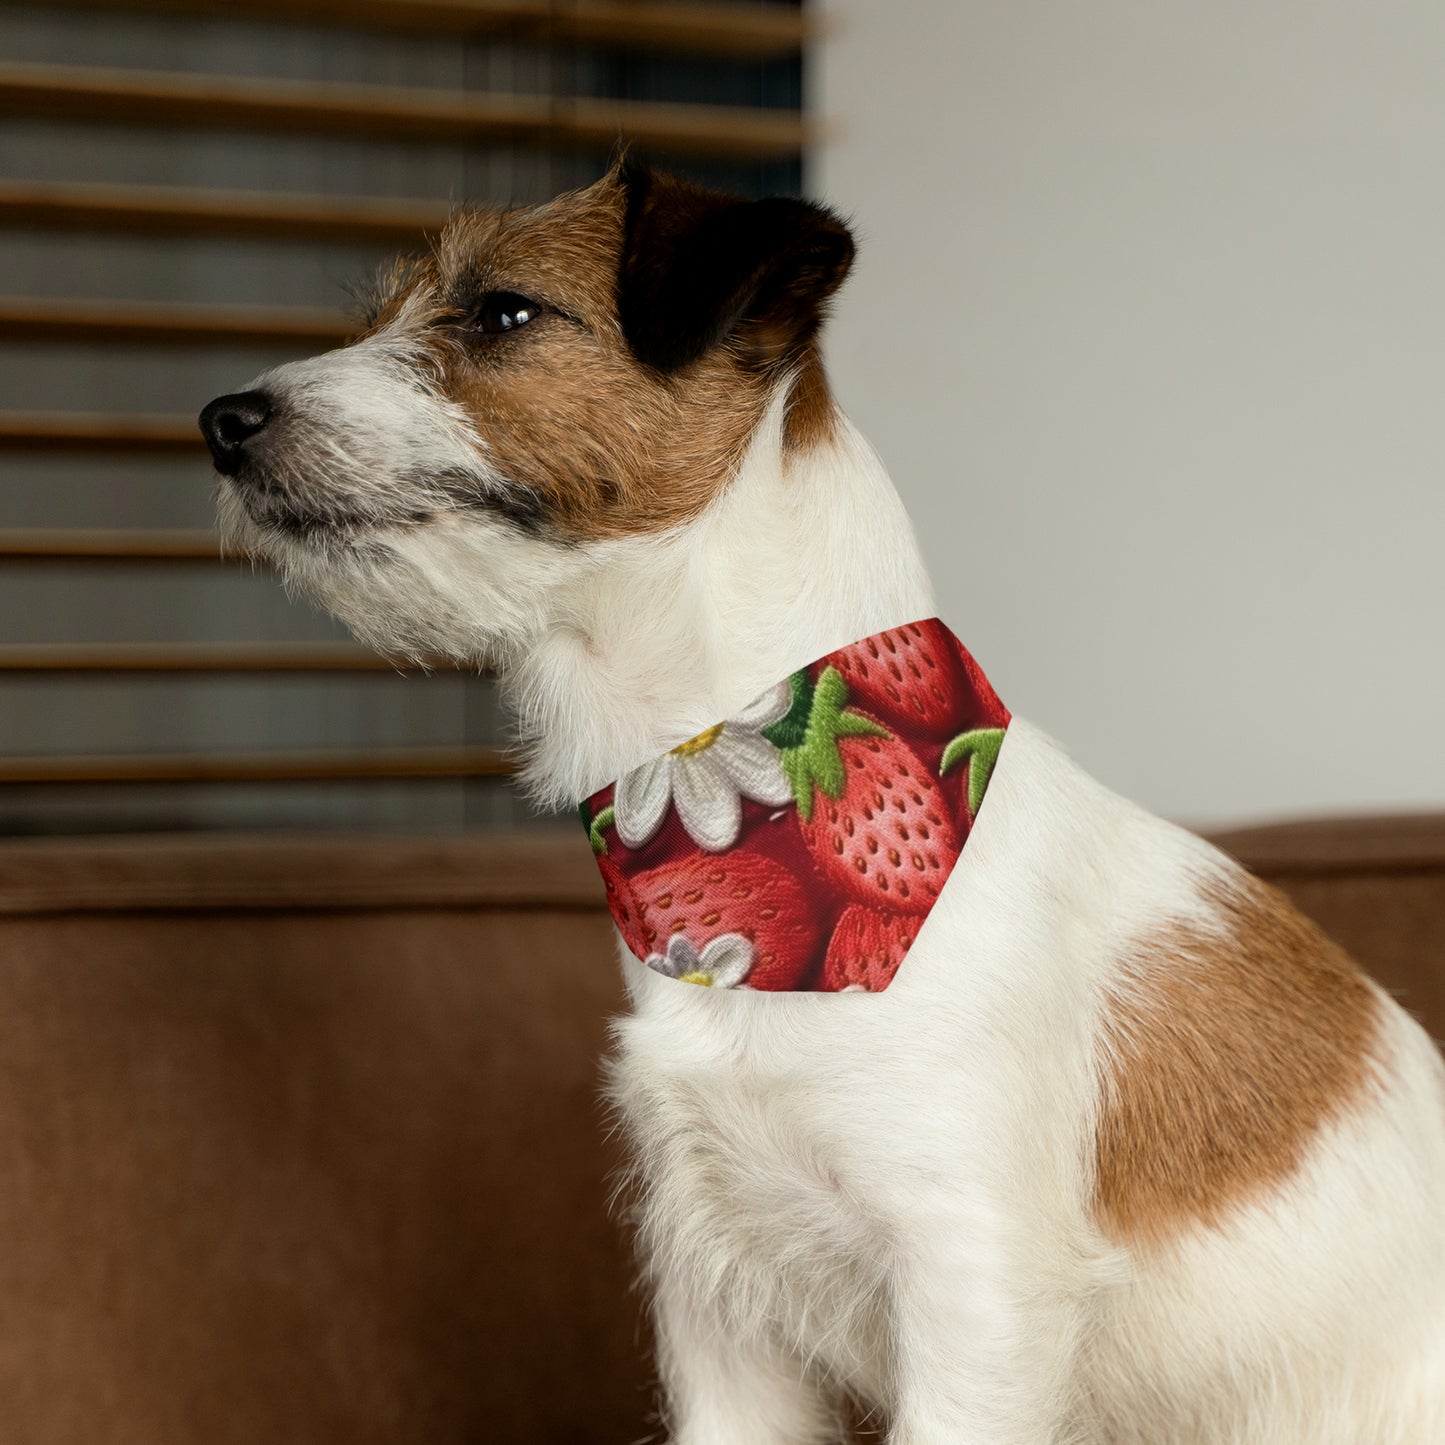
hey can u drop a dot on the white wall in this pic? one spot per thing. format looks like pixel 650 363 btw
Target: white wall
pixel 1149 323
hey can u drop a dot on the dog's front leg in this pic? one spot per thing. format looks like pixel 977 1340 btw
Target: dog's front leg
pixel 721 1388
pixel 985 1343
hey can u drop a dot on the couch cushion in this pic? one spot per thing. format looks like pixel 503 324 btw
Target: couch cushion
pixel 303 1143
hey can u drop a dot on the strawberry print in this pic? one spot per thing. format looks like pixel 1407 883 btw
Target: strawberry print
pixel 870 812
pixel 741 895
pixel 985 706
pixel 866 948
pixel 623 903
pixel 980 747
pixel 886 838
pixel 907 672
pixel 800 844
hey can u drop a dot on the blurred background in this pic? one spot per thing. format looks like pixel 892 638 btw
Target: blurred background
pixel 301 1008
pixel 187 191
pixel 1146 323
pixel 1149 324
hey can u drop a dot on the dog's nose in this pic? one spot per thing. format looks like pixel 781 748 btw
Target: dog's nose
pixel 229 422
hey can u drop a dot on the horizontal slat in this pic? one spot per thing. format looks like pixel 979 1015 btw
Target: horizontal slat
pixel 84 431
pixel 259 767
pixel 75 544
pixel 130 657
pixel 174 210
pixel 171 323
pixel 219 102
pixel 756 31
pixel 718 29
pixel 223 870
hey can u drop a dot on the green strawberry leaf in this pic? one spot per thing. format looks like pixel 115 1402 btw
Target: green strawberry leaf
pixel 980 747
pixel 603 820
pixel 814 761
pixel 800 780
pixel 790 729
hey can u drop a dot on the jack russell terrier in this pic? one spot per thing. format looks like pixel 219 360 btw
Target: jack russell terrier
pixel 1101 1143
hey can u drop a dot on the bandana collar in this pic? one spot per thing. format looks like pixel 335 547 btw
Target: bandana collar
pixel 799 846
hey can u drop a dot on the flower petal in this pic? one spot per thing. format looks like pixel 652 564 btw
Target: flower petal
pixel 682 955
pixel 727 959
pixel 765 709
pixel 755 765
pixel 707 802
pixel 641 801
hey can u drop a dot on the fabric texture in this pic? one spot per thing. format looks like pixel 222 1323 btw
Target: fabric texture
pixel 799 846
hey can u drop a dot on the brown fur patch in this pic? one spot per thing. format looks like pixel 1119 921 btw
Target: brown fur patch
pixel 812 413
pixel 606 446
pixel 1226 1054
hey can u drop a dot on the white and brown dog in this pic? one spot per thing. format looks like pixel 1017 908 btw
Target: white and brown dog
pixel 1129 1153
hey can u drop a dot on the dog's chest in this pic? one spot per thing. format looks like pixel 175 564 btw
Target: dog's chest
pixel 754 1154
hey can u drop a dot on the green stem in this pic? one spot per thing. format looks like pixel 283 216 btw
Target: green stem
pixel 980 747
pixel 814 761
pixel 604 819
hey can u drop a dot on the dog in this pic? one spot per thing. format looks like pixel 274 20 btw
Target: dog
pixel 1127 1153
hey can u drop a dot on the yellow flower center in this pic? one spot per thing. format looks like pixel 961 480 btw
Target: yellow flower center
pixel 704 979
pixel 700 744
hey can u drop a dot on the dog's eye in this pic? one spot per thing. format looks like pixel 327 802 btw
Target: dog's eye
pixel 504 311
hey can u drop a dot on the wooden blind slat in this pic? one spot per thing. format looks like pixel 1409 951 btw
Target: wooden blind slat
pixel 170 323
pixel 217 102
pixel 205 657
pixel 113 97
pixel 76 544
pixel 259 767
pixel 756 32
pixel 709 29
pixel 175 210
pixel 78 431
pixel 98 432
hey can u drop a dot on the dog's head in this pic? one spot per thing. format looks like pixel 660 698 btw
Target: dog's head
pixel 552 379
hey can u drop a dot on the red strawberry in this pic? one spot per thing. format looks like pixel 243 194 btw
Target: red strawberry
pixel 866 948
pixel 990 711
pixel 911 673
pixel 871 814
pixel 887 837
pixel 706 896
pixel 623 903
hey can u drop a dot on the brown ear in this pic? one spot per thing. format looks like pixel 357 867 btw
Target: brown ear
pixel 699 266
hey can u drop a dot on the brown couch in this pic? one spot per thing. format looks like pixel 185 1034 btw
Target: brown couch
pixel 301 1140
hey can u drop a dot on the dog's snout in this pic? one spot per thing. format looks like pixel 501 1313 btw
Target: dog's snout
pixel 229 422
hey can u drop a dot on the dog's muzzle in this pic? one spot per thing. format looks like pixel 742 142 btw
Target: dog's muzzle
pixel 230 422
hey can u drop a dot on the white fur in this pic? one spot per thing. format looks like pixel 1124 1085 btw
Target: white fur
pixel 890 1194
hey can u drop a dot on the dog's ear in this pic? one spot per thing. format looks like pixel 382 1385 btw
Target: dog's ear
pixel 699 266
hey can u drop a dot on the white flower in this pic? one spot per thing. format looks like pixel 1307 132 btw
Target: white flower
pixel 725 961
pixel 708 777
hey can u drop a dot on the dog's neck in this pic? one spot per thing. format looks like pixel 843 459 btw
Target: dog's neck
pixel 654 639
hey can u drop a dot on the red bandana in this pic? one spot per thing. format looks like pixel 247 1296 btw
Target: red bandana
pixel 799 845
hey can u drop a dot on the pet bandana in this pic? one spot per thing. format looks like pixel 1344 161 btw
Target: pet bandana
pixel 800 845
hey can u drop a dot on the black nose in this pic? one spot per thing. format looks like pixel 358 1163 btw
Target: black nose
pixel 229 422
